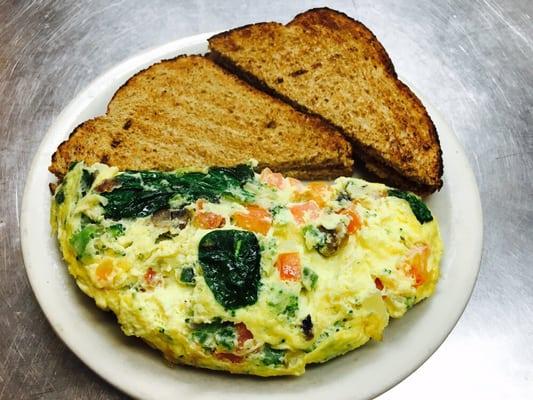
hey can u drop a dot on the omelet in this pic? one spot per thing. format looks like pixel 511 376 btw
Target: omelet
pixel 228 269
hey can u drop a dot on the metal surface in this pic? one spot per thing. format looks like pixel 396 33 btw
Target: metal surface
pixel 471 59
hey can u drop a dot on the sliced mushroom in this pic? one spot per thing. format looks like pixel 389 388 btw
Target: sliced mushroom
pixel 332 240
pixel 180 217
pixel 107 186
pixel 161 218
pixel 169 219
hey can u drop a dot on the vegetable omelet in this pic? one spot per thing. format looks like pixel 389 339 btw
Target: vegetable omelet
pixel 259 274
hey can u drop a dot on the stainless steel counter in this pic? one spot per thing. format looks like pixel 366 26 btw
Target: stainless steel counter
pixel 473 60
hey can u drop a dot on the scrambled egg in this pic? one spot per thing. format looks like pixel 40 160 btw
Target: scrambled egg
pixel 231 270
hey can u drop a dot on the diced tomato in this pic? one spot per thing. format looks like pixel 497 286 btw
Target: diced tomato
pixel 300 210
pixel 273 179
pixel 416 264
pixel 149 276
pixel 208 220
pixel 355 221
pixel 104 269
pixel 378 283
pixel 234 358
pixel 243 334
pixel 256 219
pixel 152 278
pixel 289 267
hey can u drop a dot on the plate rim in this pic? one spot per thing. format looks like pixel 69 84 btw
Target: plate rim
pixel 153 55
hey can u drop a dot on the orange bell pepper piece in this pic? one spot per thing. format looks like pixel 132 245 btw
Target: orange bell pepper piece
pixel 208 220
pixel 256 219
pixel 289 266
pixel 301 210
pixel 415 264
pixel 355 222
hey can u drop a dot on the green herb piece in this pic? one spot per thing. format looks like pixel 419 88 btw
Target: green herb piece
pixel 81 239
pixel 230 261
pixel 410 302
pixel 116 230
pixel 225 337
pixel 272 356
pixel 313 237
pixel 282 301
pixel 420 210
pixel 215 334
pixel 292 306
pixel 274 211
pixel 187 275
pixel 309 278
pixel 60 196
pixel 343 196
pixel 141 193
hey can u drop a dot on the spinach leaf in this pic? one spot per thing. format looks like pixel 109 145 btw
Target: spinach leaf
pixel 187 275
pixel 420 210
pixel 272 356
pixel 230 262
pixel 87 180
pixel 60 195
pixel 141 193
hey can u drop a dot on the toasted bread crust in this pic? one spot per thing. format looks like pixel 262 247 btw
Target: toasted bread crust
pixel 189 112
pixel 327 173
pixel 391 178
pixel 412 150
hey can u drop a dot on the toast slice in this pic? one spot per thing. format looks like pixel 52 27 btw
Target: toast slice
pixel 190 112
pixel 325 63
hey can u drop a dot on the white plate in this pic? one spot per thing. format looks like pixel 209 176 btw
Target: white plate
pixel 140 371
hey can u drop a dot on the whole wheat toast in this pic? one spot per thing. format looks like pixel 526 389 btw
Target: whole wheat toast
pixel 327 64
pixel 190 112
